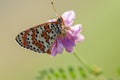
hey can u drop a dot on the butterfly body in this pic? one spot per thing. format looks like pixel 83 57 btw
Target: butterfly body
pixel 41 38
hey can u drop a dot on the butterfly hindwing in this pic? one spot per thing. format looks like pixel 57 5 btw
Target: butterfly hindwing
pixel 39 38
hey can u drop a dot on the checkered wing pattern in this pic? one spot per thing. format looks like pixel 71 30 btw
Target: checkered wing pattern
pixel 40 38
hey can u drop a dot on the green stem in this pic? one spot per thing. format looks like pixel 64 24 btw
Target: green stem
pixel 80 60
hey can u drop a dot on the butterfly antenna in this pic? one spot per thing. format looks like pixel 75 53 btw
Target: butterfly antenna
pixel 54 9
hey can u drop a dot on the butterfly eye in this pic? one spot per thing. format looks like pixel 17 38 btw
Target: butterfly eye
pixel 59 20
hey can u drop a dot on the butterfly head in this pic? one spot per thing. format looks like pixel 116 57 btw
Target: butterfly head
pixel 61 22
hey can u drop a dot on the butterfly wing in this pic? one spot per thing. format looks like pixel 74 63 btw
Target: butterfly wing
pixel 39 38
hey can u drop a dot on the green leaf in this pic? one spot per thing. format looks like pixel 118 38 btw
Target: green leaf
pixel 82 72
pixel 62 72
pixel 71 72
pixel 56 75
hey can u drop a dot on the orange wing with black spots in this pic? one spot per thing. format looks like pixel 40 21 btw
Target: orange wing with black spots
pixel 40 38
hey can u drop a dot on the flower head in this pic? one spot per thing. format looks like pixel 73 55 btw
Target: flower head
pixel 71 36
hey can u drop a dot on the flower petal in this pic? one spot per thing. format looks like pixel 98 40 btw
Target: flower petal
pixel 68 17
pixel 54 49
pixel 59 46
pixel 68 44
pixel 76 29
pixel 79 38
pixel 70 37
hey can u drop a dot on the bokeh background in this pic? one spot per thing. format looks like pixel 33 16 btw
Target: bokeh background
pixel 101 28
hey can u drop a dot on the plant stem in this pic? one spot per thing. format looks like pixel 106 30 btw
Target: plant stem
pixel 81 61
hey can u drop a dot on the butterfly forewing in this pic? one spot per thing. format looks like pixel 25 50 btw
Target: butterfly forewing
pixel 39 38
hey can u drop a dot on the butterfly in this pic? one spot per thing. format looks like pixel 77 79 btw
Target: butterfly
pixel 41 38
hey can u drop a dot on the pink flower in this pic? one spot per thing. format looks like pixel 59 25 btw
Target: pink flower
pixel 71 38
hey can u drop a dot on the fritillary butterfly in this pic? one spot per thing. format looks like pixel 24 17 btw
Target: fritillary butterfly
pixel 41 38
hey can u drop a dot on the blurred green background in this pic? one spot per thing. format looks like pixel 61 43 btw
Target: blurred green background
pixel 101 28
